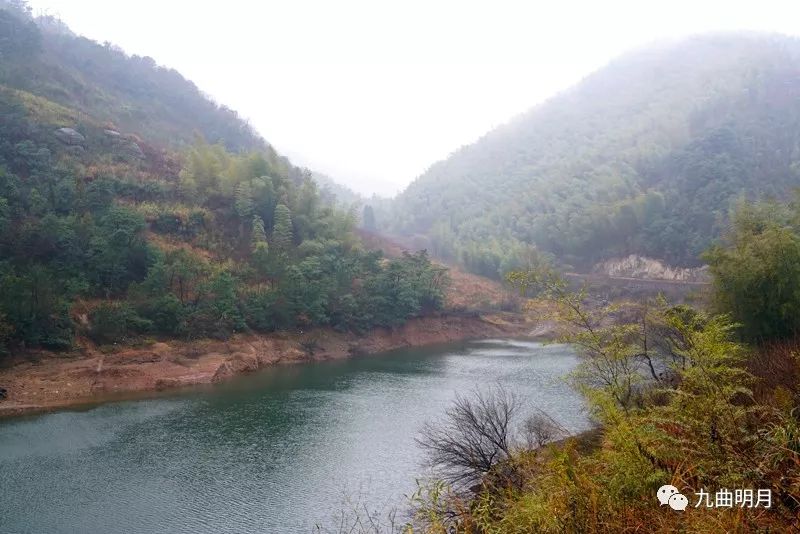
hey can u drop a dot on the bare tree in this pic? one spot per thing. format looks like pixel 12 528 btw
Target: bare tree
pixel 539 429
pixel 474 436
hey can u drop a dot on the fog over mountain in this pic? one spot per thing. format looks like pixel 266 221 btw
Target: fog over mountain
pixel 645 156
pixel 586 295
pixel 373 94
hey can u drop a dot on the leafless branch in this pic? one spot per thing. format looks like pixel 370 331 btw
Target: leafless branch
pixel 475 435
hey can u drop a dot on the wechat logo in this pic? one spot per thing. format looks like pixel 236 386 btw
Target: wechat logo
pixel 670 495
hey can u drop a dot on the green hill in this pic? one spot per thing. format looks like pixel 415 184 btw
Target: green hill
pixel 131 206
pixel 643 156
pixel 129 93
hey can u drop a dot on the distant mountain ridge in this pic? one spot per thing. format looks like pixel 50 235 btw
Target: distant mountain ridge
pixel 642 157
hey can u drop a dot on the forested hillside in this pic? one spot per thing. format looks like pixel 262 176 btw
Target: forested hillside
pixel 132 206
pixel 336 192
pixel 132 92
pixel 644 156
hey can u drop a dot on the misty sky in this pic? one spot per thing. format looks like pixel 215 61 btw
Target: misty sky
pixel 373 92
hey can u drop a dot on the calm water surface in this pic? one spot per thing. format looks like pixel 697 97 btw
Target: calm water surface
pixel 279 451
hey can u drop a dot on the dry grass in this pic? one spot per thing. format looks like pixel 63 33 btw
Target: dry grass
pixel 468 292
pixel 48 112
pixel 777 366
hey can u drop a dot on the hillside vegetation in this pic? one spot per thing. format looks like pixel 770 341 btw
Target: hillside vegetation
pixel 133 93
pixel 644 156
pixel 132 206
pixel 681 397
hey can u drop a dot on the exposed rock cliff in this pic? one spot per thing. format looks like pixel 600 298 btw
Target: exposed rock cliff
pixel 640 267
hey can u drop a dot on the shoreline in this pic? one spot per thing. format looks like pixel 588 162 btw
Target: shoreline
pixel 52 382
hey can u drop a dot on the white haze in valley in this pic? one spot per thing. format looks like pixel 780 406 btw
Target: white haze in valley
pixel 374 92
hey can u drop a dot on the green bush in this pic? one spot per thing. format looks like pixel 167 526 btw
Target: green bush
pixel 116 322
pixel 167 223
pixel 757 272
pixel 166 313
pixel 264 313
pixel 217 315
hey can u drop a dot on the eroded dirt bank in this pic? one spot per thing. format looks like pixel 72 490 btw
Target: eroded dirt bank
pixel 50 381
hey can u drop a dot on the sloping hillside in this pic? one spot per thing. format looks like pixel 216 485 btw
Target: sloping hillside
pixel 130 93
pixel 466 291
pixel 131 207
pixel 644 156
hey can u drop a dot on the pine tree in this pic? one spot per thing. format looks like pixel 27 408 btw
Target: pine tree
pixel 282 235
pixel 244 200
pixel 259 234
pixel 368 219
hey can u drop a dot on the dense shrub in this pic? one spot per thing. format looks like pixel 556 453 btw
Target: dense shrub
pixel 757 272
pixel 166 313
pixel 116 322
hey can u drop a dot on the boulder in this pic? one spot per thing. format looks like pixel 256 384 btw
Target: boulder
pixel 132 149
pixel 125 144
pixel 223 372
pixel 69 136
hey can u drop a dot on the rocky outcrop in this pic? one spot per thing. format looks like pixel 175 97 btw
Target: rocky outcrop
pixel 640 267
pixel 224 372
pixel 125 144
pixel 69 136
pixel 132 149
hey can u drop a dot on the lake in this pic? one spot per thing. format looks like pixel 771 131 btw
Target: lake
pixel 279 451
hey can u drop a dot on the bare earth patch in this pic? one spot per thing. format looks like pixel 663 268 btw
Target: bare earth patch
pixel 56 381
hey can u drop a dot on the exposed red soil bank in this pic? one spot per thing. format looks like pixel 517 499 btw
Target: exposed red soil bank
pixel 50 381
